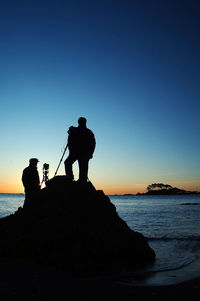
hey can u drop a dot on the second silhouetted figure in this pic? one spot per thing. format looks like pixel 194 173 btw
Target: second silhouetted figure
pixel 81 144
pixel 31 181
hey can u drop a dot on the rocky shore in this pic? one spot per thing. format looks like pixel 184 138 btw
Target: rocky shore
pixel 72 224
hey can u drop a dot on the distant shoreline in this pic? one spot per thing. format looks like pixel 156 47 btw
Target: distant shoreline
pixel 11 193
pixel 129 194
pixel 155 193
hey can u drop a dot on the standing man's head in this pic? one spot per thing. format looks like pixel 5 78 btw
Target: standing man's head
pixel 33 162
pixel 82 122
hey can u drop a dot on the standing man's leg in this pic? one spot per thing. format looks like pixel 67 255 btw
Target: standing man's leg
pixel 68 165
pixel 83 168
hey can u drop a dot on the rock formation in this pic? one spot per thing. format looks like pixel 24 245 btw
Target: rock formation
pixel 73 224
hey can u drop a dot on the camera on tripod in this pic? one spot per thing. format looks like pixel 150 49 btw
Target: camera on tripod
pixel 45 173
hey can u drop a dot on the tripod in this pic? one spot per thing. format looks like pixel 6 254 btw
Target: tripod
pixel 61 160
pixel 45 173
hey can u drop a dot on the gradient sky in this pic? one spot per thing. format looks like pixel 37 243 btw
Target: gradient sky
pixel 132 68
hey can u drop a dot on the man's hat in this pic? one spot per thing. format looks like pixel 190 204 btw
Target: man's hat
pixel 33 160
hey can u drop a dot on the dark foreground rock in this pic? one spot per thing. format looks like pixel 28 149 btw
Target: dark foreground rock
pixel 73 224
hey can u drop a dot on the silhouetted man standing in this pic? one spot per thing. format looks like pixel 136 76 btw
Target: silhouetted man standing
pixel 81 144
pixel 30 179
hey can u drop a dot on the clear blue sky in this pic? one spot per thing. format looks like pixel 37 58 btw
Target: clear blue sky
pixel 132 68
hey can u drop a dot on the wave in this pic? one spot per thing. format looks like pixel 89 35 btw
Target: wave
pixel 174 253
pixel 151 270
pixel 172 268
pixel 165 238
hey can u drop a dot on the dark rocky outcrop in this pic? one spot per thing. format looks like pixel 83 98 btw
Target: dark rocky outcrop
pixel 73 224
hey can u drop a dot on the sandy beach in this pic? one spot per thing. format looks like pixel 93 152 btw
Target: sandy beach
pixel 22 279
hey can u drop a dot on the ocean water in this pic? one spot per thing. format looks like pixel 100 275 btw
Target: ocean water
pixel 9 203
pixel 171 225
